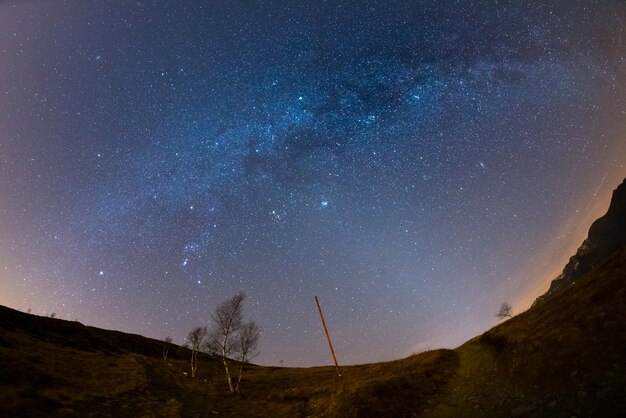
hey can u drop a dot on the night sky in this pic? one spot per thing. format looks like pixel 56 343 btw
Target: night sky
pixel 413 163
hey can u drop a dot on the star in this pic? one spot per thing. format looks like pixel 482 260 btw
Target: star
pixel 381 159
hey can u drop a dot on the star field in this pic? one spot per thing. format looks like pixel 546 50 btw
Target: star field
pixel 412 163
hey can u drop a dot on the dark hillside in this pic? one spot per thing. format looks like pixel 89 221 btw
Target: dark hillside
pixel 606 235
pixel 52 367
pixel 73 334
pixel 563 357
pixel 559 359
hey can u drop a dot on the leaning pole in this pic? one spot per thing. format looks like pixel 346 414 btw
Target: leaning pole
pixel 330 344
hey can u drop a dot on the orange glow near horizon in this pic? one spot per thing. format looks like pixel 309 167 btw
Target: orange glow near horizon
pixel 550 261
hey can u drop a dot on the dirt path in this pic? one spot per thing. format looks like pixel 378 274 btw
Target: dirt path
pixel 476 389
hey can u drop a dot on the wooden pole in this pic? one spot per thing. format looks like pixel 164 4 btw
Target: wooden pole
pixel 330 344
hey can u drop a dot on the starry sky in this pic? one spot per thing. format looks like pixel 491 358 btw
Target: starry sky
pixel 413 163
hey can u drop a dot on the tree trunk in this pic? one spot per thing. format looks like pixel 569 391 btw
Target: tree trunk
pixel 194 362
pixel 230 380
pixel 239 379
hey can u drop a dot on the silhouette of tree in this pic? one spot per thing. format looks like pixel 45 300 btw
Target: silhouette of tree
pixel 505 311
pixel 167 342
pixel 246 342
pixel 222 342
pixel 195 338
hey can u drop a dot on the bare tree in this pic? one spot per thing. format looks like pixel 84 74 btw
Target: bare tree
pixel 246 343
pixel 227 319
pixel 52 315
pixel 505 311
pixel 167 342
pixel 195 338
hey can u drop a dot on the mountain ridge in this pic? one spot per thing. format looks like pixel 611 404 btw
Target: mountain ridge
pixel 606 235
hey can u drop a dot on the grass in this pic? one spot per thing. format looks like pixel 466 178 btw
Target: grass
pixel 63 368
pixel 582 327
pixel 561 358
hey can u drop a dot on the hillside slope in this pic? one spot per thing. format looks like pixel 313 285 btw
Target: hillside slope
pixel 559 359
pixel 563 357
pixel 52 367
pixel 606 235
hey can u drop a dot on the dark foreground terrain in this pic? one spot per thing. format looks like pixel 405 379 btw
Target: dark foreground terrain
pixel 562 358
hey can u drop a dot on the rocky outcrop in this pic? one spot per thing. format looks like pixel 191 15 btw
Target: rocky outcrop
pixel 606 235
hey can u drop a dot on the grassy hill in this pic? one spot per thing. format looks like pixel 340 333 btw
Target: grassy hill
pixel 562 358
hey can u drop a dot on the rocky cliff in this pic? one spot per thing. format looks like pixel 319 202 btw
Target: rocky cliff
pixel 606 235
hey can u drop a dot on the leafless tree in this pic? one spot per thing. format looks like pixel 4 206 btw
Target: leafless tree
pixel 505 311
pixel 227 320
pixel 167 342
pixel 195 338
pixel 52 315
pixel 246 343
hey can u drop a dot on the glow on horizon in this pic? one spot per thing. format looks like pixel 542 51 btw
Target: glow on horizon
pixel 143 183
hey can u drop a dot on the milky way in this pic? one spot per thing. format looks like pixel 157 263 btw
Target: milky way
pixel 405 161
